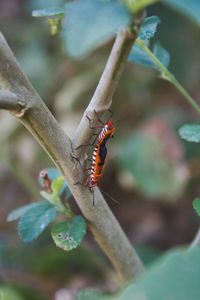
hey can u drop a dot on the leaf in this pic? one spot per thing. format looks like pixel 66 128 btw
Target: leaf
pixel 18 212
pixel 190 132
pixel 196 205
pixel 162 54
pixel 136 5
pixel 139 56
pixel 90 23
pixel 49 12
pixel 69 234
pixel 88 295
pixel 8 292
pixel 174 276
pixel 53 174
pixel 35 220
pixel 58 185
pixel 154 172
pixel 149 27
pixel 189 8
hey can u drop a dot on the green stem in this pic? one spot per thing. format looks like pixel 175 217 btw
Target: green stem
pixel 167 74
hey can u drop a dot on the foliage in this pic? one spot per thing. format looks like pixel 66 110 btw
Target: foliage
pixel 35 220
pixel 190 132
pixel 136 5
pixel 196 205
pixel 35 217
pixel 175 276
pixel 144 156
pixel 69 234
pixel 95 21
pixel 8 293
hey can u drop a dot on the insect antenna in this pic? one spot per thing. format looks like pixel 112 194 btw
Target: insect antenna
pixel 109 196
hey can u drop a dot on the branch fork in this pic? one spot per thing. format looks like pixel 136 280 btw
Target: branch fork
pixel 19 97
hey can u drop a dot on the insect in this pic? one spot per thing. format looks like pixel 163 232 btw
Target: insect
pixel 99 153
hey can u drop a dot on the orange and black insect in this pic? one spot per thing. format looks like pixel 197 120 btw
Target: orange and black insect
pixel 95 171
pixel 99 153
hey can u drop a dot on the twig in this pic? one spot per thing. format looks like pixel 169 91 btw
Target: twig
pixel 102 98
pixel 43 126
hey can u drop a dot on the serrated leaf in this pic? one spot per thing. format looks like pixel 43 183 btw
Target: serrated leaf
pixel 69 234
pixel 149 27
pixel 35 220
pixel 90 23
pixel 189 8
pixel 196 205
pixel 174 276
pixel 190 132
pixel 18 212
pixel 49 12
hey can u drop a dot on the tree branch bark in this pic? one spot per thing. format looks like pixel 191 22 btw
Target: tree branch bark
pixel 36 117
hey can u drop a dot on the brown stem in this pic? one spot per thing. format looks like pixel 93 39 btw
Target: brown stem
pixel 43 126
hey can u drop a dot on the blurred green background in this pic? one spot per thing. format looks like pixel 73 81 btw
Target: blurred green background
pixel 151 172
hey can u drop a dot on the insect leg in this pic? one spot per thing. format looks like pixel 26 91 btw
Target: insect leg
pixel 98 118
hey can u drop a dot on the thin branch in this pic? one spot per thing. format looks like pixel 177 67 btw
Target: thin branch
pixel 102 98
pixel 43 126
pixel 196 240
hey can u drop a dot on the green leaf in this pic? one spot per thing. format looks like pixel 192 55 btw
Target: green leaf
pixel 53 174
pixel 175 276
pixel 88 295
pixel 69 234
pixel 155 174
pixel 190 132
pixel 140 56
pixel 35 220
pixel 149 27
pixel 58 185
pixel 162 54
pixel 9 293
pixel 49 12
pixel 18 212
pixel 196 205
pixel 136 5
pixel 90 23
pixel 189 8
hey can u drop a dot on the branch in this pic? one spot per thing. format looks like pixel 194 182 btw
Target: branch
pixel 11 102
pixel 102 98
pixel 43 126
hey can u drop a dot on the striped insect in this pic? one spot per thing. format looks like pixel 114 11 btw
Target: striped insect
pixel 99 154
